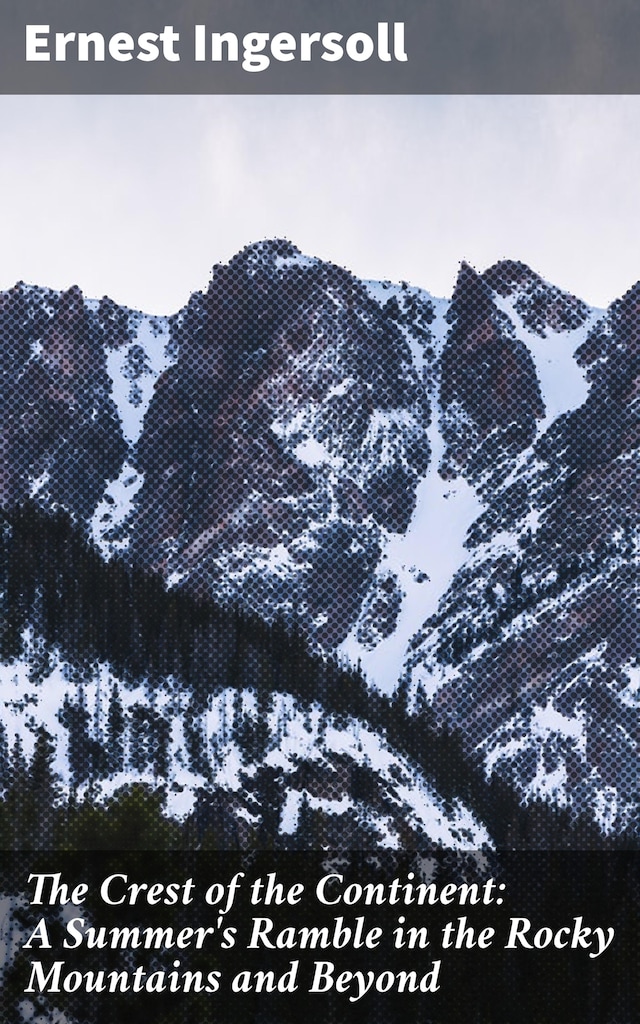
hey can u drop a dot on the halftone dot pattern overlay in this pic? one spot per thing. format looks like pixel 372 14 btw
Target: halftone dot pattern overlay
pixel 211 524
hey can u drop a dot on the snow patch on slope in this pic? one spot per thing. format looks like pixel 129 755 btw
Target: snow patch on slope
pixel 107 525
pixel 426 557
pixel 562 381
pixel 424 560
pixel 297 735
pixel 135 367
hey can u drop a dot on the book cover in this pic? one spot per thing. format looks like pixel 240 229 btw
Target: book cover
pixel 319 512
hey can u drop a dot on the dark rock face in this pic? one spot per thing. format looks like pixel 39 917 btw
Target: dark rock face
pixel 61 438
pixel 380 614
pixel 541 306
pixel 273 437
pixel 489 392
pixel 535 642
pixel 293 417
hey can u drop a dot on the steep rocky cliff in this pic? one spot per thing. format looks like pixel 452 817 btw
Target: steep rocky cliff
pixel 445 492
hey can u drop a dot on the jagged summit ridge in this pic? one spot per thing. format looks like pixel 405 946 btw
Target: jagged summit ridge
pixel 444 491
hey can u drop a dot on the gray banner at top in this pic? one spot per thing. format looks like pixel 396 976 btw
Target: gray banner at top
pixel 324 46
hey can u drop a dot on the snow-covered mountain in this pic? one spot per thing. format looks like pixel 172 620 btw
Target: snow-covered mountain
pixel 533 650
pixel 444 492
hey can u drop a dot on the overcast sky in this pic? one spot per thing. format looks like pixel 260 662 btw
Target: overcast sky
pixel 138 196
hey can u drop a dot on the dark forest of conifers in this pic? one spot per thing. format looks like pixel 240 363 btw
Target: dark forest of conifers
pixel 55 583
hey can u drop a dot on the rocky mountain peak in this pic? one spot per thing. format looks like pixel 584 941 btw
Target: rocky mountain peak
pixel 443 491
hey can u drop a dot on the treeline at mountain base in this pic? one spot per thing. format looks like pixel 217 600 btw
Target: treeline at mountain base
pixel 55 587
